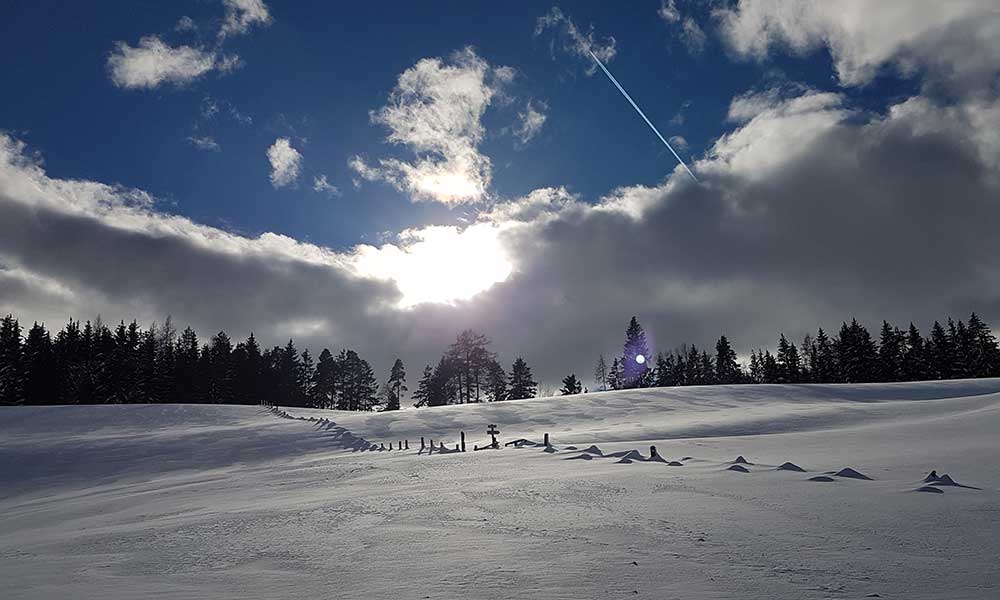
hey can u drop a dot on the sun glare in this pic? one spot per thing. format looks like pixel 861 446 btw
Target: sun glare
pixel 439 264
pixel 640 359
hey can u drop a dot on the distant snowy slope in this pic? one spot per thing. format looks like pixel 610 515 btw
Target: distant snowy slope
pixel 676 412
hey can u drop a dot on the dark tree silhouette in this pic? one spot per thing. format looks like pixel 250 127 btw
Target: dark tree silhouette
pixel 571 386
pixel 522 385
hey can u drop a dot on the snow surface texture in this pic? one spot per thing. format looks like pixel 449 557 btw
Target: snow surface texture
pixel 186 501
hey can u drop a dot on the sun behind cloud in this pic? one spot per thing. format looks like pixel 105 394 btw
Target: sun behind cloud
pixel 441 264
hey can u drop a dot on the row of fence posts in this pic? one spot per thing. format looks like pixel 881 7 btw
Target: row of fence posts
pixel 426 443
pixel 405 444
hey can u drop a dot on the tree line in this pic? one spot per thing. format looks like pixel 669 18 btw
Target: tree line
pixel 94 364
pixel 963 349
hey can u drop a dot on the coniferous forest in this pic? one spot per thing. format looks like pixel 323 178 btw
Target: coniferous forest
pixel 95 364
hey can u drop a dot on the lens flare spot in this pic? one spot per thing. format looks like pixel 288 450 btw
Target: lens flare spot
pixel 640 359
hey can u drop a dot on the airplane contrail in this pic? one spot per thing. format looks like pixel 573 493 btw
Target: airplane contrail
pixel 639 110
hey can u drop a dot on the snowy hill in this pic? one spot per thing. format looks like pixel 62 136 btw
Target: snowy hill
pixel 186 501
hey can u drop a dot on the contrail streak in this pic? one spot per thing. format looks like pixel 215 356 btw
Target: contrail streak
pixel 639 110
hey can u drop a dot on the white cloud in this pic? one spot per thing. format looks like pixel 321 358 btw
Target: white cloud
pixel 678 142
pixel 322 186
pixel 530 121
pixel 153 63
pixel 435 111
pixel 241 15
pixel 286 163
pixel 574 40
pixel 205 142
pixel 668 11
pixel 692 36
pixel 953 41
pixel 185 23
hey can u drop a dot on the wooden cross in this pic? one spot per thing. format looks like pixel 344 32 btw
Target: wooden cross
pixel 492 431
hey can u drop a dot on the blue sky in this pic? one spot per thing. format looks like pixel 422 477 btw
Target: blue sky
pixel 160 158
pixel 314 74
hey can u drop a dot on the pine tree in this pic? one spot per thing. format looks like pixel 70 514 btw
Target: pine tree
pixel 325 380
pixel 915 366
pixel 824 363
pixel 422 395
pixel 571 386
pixel 961 345
pixel 891 353
pixel 601 374
pixel 521 383
pixel 615 375
pixel 221 371
pixel 248 368
pixel 634 356
pixel 727 370
pixel 756 367
pixel 395 386
pixel 11 365
pixel 664 370
pixel 856 353
pixel 186 369
pixel 304 379
pixel 39 367
pixel 771 370
pixel 985 359
pixel 496 380
pixel 939 353
pixel 788 361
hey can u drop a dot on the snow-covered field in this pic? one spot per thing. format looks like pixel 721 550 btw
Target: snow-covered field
pixel 186 501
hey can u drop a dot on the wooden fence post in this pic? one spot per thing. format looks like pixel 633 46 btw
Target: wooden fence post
pixel 463 441
pixel 546 440
pixel 652 452
pixel 421 443
pixel 407 443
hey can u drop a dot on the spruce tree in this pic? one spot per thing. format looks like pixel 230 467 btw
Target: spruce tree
pixel 985 359
pixel 891 353
pixel 521 383
pixel 422 395
pixel 395 386
pixel 727 370
pixel 788 361
pixel 939 353
pixel 601 374
pixel 571 386
pixel 39 367
pixel 915 367
pixel 496 380
pixel 11 365
pixel 634 356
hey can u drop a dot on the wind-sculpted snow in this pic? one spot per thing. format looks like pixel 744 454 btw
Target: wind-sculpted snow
pixel 752 492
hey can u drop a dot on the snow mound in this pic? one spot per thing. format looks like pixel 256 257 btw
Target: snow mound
pixel 550 449
pixel 656 458
pixel 945 479
pixel 583 456
pixel 594 450
pixel 741 461
pixel 850 473
pixel 789 466
pixel 624 461
pixel 738 468
pixel 674 463
pixel 930 489
pixel 572 448
pixel 823 478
